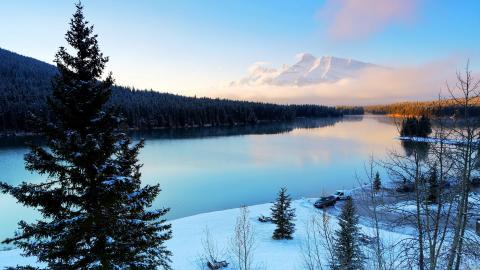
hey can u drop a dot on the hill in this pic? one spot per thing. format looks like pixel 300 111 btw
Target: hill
pixel 25 84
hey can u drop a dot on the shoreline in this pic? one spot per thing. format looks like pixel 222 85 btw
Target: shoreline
pixel 273 254
pixel 188 232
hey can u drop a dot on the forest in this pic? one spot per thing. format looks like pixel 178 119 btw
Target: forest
pixel 25 84
pixel 443 108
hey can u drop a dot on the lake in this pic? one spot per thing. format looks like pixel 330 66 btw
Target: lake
pixel 208 169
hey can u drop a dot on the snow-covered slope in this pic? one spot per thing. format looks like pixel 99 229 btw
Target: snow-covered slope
pixel 311 70
pixel 270 254
pixel 308 70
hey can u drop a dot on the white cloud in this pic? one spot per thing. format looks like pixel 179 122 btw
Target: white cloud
pixel 370 86
pixel 258 74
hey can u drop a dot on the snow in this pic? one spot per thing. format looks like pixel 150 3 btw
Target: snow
pixel 409 207
pixel 311 70
pixel 269 253
pixel 436 140
pixel 188 232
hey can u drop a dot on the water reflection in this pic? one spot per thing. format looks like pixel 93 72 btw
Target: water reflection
pixel 12 142
pixel 421 148
pixel 216 168
pixel 223 131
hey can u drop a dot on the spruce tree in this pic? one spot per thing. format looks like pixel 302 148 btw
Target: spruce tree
pixel 93 206
pixel 283 216
pixel 409 127
pixel 424 126
pixel 377 183
pixel 348 255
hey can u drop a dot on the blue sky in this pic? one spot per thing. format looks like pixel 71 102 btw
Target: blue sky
pixel 182 46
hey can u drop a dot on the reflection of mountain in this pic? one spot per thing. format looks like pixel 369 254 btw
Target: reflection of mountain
pixel 410 147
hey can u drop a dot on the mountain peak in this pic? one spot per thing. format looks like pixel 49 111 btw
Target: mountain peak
pixel 311 70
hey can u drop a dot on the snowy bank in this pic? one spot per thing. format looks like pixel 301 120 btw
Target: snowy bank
pixel 269 254
pixel 436 140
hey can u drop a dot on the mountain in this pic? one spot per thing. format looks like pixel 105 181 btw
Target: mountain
pixel 25 84
pixel 308 70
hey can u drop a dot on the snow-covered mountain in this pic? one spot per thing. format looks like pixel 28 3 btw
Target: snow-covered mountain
pixel 308 70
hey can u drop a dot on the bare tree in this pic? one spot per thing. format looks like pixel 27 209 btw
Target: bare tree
pixel 242 243
pixel 371 201
pixel 211 253
pixel 407 170
pixel 464 94
pixel 318 243
pixel 440 215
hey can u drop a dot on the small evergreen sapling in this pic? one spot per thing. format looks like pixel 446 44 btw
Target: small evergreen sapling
pixel 348 255
pixel 377 182
pixel 283 216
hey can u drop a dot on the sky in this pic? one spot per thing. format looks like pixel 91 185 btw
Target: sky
pixel 197 47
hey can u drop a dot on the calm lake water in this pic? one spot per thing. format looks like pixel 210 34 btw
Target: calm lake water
pixel 202 170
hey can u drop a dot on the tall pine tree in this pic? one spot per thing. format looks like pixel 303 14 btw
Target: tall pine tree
pixel 283 216
pixel 348 255
pixel 94 209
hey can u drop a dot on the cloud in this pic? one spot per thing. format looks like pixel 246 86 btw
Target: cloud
pixel 357 19
pixel 370 86
pixel 259 73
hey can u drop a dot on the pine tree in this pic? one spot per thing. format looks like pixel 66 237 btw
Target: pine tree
pixel 283 216
pixel 93 206
pixel 348 255
pixel 377 183
pixel 409 127
pixel 424 126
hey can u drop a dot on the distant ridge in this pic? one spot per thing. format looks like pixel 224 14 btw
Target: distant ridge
pixel 25 84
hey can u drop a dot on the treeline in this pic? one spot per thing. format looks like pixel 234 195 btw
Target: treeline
pixel 149 109
pixel 351 110
pixel 445 108
pixel 25 84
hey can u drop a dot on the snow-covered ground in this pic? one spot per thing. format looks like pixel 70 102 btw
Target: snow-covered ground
pixel 269 253
pixel 436 140
pixel 188 232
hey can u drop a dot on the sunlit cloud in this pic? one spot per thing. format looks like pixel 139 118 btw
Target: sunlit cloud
pixel 357 19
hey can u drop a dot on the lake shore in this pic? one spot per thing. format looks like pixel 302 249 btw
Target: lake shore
pixel 189 232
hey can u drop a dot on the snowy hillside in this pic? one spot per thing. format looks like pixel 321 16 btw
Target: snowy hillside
pixel 188 232
pixel 308 70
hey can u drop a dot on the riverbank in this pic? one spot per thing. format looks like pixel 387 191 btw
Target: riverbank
pixel 270 254
pixel 189 232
